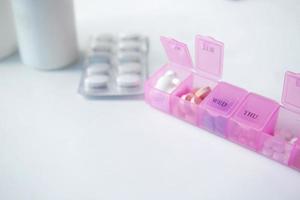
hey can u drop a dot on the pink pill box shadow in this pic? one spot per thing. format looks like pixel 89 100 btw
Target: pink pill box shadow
pixel 251 120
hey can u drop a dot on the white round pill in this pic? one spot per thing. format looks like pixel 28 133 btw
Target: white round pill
pixel 131 67
pixel 175 82
pixel 128 80
pixel 96 81
pixel 97 68
pixel 170 73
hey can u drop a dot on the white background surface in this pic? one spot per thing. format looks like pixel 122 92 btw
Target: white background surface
pixel 54 144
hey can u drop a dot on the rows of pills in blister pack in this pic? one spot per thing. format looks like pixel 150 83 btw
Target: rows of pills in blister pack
pixel 115 66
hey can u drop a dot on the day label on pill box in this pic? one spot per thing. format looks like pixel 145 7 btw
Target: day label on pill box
pixel 209 57
pixel 257 111
pixel 250 115
pixel 208 47
pixel 221 104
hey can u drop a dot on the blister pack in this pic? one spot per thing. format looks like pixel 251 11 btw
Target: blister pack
pixel 115 65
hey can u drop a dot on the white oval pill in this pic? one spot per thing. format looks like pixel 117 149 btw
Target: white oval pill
pixel 96 81
pixel 131 67
pixel 99 57
pixel 130 46
pixel 97 68
pixel 129 57
pixel 100 47
pixel 105 37
pixel 164 83
pixel 170 73
pixel 128 80
pixel 135 37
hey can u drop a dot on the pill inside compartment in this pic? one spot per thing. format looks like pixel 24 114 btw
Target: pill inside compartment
pixel 283 144
pixel 280 144
pixel 161 86
pixel 187 99
pixel 219 106
pixel 256 115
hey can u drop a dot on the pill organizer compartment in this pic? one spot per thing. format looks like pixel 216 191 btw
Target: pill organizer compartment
pixel 256 114
pixel 276 147
pixel 157 89
pixel 189 110
pixel 207 71
pixel 280 144
pixel 283 144
pixel 219 106
pixel 159 98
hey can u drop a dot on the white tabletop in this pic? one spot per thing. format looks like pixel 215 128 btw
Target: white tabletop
pixel 54 144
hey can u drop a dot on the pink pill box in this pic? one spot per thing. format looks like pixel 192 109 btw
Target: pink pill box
pixel 195 93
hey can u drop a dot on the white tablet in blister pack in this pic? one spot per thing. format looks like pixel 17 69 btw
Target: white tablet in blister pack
pixel 115 66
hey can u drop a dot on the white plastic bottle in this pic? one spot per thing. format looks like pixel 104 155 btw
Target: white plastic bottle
pixel 46 32
pixel 8 43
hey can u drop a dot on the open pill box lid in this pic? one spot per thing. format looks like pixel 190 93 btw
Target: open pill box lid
pixel 291 92
pixel 209 55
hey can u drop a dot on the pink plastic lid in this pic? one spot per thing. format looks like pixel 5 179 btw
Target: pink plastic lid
pixel 256 111
pixel 209 55
pixel 177 52
pixel 225 98
pixel 291 92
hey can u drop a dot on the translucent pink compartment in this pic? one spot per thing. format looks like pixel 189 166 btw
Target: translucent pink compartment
pixel 256 114
pixel 187 110
pixel 158 98
pixel 207 69
pixel 219 106
pixel 283 145
pixel 275 148
pixel 280 144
